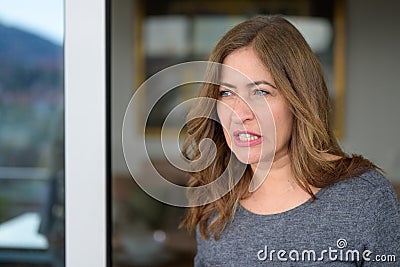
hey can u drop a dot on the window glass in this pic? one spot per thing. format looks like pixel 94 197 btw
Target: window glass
pixel 31 133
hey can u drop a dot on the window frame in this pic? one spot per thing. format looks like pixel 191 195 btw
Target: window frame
pixel 87 163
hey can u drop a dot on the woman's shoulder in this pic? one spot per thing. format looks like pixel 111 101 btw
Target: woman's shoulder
pixel 372 179
pixel 366 183
pixel 375 205
pixel 371 187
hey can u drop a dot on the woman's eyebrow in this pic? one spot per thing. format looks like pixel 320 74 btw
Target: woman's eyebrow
pixel 261 82
pixel 256 83
pixel 228 85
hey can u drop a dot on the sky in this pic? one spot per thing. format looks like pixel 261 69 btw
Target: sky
pixel 42 17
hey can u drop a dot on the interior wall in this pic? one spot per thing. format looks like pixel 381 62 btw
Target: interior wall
pixel 373 90
pixel 123 85
pixel 122 75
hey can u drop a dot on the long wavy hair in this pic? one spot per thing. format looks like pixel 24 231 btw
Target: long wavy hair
pixel 299 77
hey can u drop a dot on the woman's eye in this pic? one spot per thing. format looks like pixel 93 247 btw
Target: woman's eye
pixel 260 92
pixel 225 93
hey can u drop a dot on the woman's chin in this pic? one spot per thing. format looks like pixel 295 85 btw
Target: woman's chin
pixel 244 157
pixel 247 159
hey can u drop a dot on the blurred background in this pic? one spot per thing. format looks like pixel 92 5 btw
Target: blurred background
pixel 356 41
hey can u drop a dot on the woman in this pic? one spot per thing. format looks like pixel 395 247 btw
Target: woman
pixel 316 205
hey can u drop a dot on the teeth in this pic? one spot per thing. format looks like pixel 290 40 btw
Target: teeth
pixel 247 137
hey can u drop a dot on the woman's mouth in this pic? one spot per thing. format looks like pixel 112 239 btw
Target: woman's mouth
pixel 246 138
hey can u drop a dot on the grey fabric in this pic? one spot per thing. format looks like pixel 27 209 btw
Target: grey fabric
pixel 349 218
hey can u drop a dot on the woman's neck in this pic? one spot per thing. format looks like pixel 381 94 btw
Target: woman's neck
pixel 278 191
pixel 278 177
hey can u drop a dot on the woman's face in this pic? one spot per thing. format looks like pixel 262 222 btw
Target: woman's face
pixel 255 116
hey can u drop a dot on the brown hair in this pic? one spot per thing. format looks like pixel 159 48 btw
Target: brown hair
pixel 299 77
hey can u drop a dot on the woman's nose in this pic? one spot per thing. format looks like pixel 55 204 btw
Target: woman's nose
pixel 242 111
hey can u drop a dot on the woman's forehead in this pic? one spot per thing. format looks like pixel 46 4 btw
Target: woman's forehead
pixel 243 66
pixel 234 78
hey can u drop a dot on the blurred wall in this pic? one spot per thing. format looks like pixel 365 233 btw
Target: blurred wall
pixel 122 74
pixel 372 91
pixel 372 123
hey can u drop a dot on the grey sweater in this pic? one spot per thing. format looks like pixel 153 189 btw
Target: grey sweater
pixel 355 222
